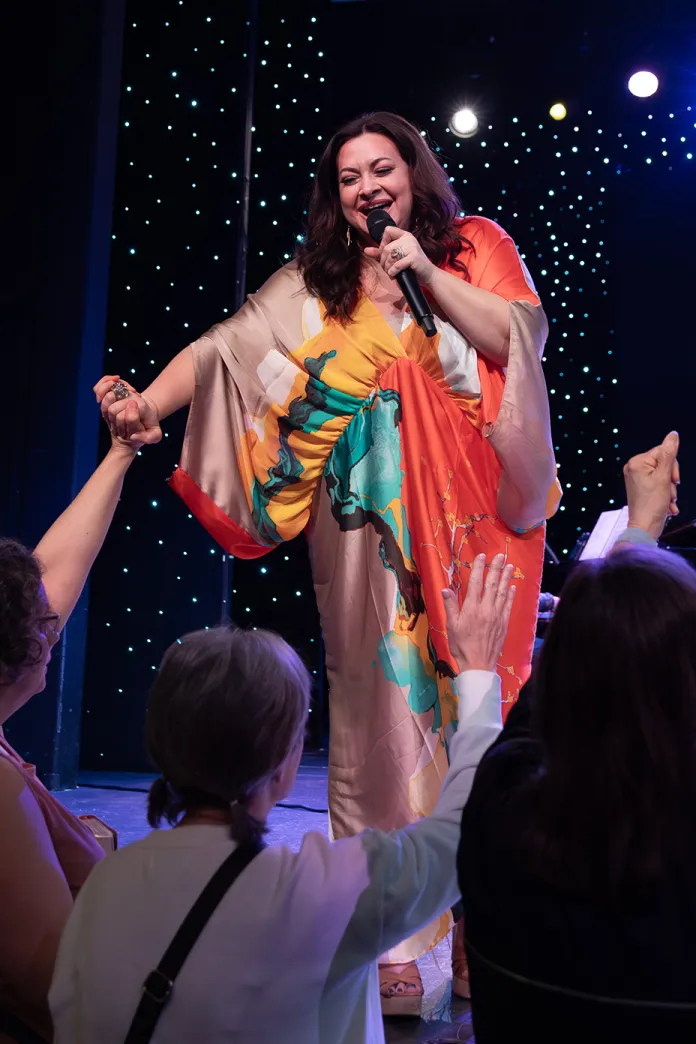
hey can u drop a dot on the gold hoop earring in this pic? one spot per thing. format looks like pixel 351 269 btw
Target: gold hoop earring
pixel 348 235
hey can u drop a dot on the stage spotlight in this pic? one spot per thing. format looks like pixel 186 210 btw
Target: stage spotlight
pixel 643 84
pixel 464 123
pixel 558 111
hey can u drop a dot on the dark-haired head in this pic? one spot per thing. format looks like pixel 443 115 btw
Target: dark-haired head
pixel 28 629
pixel 615 709
pixel 225 724
pixel 379 157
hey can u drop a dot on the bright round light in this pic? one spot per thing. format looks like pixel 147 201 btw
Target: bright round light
pixel 558 111
pixel 464 123
pixel 643 84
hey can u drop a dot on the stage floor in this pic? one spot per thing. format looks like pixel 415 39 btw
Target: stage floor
pixel 119 799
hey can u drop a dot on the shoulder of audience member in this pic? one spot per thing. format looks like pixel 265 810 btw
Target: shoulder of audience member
pixel 11 780
pixel 507 764
pixel 331 863
pixel 318 861
pixel 18 804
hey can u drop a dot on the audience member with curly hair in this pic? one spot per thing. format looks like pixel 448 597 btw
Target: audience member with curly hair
pixel 45 852
pixel 19 593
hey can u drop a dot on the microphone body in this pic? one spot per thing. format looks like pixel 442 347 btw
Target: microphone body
pixel 377 221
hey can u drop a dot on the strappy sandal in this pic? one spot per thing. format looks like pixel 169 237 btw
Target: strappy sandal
pixel 401 989
pixel 460 964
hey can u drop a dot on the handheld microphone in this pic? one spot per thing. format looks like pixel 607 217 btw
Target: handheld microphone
pixel 377 221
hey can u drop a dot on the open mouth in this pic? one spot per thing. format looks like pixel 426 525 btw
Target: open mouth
pixel 382 205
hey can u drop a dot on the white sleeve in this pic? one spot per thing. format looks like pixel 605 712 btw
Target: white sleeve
pixel 412 872
pixel 633 535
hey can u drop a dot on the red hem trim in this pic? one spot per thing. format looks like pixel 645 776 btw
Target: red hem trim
pixel 230 536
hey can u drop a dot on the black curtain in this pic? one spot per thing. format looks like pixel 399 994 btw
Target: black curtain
pixel 58 180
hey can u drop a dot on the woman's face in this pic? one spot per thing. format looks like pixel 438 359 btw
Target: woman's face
pixel 372 173
pixel 46 628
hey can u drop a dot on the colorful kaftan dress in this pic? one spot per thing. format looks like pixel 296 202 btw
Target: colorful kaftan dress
pixel 402 458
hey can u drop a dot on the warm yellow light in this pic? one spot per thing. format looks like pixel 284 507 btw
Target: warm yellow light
pixel 558 111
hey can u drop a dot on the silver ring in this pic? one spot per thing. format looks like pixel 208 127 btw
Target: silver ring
pixel 397 254
pixel 120 390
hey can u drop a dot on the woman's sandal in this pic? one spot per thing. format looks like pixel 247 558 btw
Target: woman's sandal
pixel 460 964
pixel 401 989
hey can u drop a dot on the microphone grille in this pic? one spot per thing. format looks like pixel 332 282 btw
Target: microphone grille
pixel 377 221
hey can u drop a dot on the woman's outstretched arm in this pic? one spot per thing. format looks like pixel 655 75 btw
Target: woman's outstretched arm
pixel 172 389
pixel 68 550
pixel 174 386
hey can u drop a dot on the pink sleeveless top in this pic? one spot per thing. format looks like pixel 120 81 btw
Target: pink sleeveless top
pixel 76 847
pixel 77 851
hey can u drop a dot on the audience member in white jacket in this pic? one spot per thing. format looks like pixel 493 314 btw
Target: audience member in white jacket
pixel 291 951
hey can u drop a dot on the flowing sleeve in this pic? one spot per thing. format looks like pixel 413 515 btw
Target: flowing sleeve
pixel 495 263
pixel 240 473
pixel 515 402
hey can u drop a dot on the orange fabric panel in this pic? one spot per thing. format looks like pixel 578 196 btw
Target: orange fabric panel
pixel 450 481
pixel 495 264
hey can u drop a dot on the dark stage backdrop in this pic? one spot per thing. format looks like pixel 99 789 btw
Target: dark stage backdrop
pixel 57 185
pixel 654 237
pixel 176 218
pixel 553 186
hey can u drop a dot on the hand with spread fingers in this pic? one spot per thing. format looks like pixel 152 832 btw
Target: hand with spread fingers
pixel 132 418
pixel 399 250
pixel 476 632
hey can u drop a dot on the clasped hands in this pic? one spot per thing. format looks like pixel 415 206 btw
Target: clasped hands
pixel 133 420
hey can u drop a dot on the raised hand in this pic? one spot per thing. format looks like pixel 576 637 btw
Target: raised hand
pixel 131 420
pixel 651 481
pixel 476 632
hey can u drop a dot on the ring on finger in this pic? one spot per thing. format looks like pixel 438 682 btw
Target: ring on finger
pixel 120 390
pixel 397 254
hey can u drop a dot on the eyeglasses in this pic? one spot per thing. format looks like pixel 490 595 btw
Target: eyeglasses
pixel 49 625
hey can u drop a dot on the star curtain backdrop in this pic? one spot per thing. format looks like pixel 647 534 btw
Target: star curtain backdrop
pixel 176 215
pixel 555 186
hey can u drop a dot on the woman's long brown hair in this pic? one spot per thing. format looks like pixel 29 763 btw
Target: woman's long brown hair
pixel 331 267
pixel 615 711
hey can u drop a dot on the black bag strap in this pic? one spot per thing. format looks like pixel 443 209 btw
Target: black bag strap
pixel 158 986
